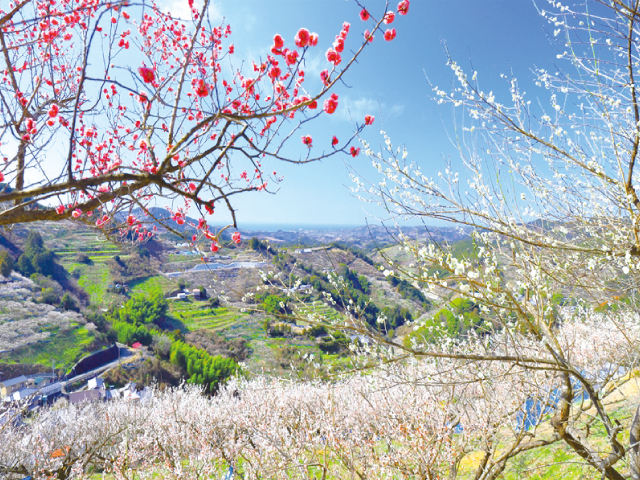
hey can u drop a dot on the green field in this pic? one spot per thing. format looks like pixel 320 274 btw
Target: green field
pixel 95 279
pixel 151 285
pixel 196 315
pixel 65 347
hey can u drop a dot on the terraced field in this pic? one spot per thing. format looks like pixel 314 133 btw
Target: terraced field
pixel 319 310
pixel 197 315
pixel 83 241
pixel 95 279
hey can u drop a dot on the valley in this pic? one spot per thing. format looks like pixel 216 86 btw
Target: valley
pixel 101 276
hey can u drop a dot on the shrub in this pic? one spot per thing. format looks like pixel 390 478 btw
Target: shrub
pixel 49 296
pixel 68 303
pixel 82 257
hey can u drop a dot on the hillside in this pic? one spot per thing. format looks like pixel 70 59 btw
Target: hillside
pixel 108 274
pixel 32 332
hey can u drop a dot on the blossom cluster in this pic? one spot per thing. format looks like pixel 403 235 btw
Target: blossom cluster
pixel 165 126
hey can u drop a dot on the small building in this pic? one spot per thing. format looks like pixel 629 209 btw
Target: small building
pixel 50 393
pixel 7 387
pixel 95 383
pixel 22 393
pixel 131 393
pixel 41 379
pixel 196 294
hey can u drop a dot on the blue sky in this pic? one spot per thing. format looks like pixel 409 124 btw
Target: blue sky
pixel 496 36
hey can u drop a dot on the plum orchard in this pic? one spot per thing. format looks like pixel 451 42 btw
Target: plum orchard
pixel 106 105
pixel 428 419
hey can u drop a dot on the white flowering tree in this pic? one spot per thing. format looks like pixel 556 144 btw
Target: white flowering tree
pixel 381 425
pixel 547 185
pixel 423 418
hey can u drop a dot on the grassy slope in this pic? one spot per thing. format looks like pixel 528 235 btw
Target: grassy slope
pixel 65 348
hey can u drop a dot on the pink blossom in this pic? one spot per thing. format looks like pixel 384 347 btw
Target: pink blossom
pixel 354 152
pixel 236 237
pixel 368 36
pixel 278 41
pixel 302 38
pixel 339 44
pixel 368 119
pixel 324 76
pixel 364 15
pixel 60 209
pixel 77 213
pixel 333 56
pixel 306 139
pixel 313 39
pixel 274 73
pixel 31 126
pixel 147 74
pixel 291 57
pixel 53 110
pixel 330 104
pixel 389 17
pixel 214 247
pixel 201 89
pixel 403 7
pixel 334 141
pixel 390 34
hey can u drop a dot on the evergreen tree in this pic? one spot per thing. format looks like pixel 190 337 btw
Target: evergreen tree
pixel 34 244
pixel 24 265
pixel 6 263
pixel 44 263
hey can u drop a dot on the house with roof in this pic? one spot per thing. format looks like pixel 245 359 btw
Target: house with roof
pixel 50 393
pixel 7 387
pixel 95 383
pixel 22 394
pixel 41 379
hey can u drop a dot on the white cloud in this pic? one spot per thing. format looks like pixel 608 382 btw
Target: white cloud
pixel 314 63
pixel 396 110
pixel 354 110
pixel 180 9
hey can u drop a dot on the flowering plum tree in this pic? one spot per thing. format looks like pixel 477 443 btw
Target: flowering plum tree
pixel 106 105
pixel 549 195
pixel 430 418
